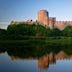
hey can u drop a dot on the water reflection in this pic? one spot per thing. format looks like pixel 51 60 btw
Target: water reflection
pixel 51 58
pixel 43 62
pixel 42 57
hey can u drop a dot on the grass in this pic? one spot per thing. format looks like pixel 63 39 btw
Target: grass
pixel 37 47
pixel 37 41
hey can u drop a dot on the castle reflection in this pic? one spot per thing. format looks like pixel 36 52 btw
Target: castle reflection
pixel 51 58
pixel 44 59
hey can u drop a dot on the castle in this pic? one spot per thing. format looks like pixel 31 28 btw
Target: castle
pixel 44 19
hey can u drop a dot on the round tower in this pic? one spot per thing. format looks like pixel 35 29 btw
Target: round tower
pixel 43 17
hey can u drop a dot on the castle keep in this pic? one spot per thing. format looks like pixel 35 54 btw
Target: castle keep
pixel 44 19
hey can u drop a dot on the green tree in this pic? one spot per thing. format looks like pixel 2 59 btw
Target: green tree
pixel 3 32
pixel 67 32
pixel 56 32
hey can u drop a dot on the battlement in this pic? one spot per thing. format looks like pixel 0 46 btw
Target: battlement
pixel 44 19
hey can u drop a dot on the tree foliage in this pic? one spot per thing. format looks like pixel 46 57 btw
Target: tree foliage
pixel 36 30
pixel 67 31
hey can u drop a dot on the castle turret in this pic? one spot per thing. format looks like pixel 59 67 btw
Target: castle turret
pixel 43 17
pixel 52 21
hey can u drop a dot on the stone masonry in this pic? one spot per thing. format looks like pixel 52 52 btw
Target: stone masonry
pixel 44 19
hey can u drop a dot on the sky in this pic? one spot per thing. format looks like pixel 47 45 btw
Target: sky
pixel 21 10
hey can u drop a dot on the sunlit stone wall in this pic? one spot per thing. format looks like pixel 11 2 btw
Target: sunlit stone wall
pixel 43 17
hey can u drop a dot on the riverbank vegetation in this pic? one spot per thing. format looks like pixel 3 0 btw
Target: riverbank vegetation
pixel 35 34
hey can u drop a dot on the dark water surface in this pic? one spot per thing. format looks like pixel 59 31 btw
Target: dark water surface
pixel 51 62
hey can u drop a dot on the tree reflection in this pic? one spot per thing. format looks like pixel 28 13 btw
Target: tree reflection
pixel 45 55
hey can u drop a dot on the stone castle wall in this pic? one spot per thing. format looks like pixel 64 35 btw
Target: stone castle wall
pixel 44 19
pixel 52 21
pixel 62 24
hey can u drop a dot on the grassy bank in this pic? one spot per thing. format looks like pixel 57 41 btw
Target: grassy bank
pixel 36 46
pixel 39 41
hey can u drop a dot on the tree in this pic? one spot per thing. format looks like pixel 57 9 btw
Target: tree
pixel 67 32
pixel 3 32
pixel 21 29
pixel 56 32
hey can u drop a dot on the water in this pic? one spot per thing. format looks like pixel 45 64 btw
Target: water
pixel 51 62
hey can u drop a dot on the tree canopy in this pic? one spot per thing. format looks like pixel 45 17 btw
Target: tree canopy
pixel 36 30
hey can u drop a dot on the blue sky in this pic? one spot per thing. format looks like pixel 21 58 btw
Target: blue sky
pixel 27 9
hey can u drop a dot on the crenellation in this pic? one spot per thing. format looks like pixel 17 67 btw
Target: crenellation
pixel 44 19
